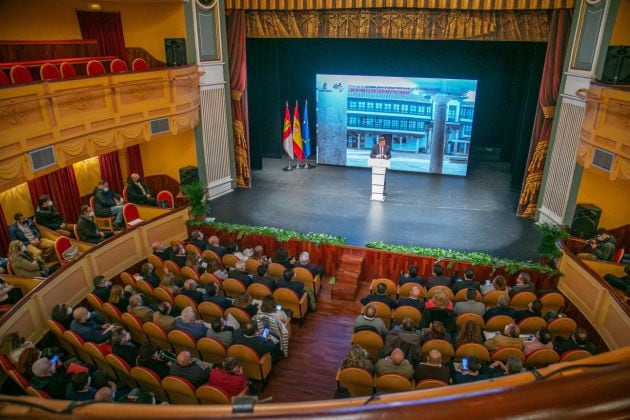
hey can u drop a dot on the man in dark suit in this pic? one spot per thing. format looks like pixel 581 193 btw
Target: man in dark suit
pixel 534 308
pixel 138 192
pixel 502 308
pixel 212 295
pixel 262 278
pixel 108 203
pixel 196 238
pixel 411 276
pixel 438 278
pixel 379 296
pixel 286 282
pixel 148 274
pixel 413 299
pixel 467 283
pixel 47 216
pixel 305 262
pixel 190 290
pixel 88 232
pixel 213 245
pixel 240 274
pixel 102 288
pixel 248 336
pixel 381 150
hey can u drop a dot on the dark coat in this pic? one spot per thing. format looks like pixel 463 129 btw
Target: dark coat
pixel 296 286
pixel 103 202
pixel 135 195
pixel 49 218
pixel 257 343
pixel 15 234
pixel 88 232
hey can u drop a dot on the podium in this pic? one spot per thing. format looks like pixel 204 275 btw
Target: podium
pixel 379 168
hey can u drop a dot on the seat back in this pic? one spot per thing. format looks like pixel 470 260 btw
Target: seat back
pixel 229 260
pixel 113 313
pixel 131 214
pixel 128 279
pixel 134 325
pixel 163 295
pixel 572 355
pixel 258 291
pixel 254 367
pixel 288 299
pixel 4 80
pixel 208 254
pixel 125 192
pixel 157 335
pixel 179 390
pixel 156 261
pixel 498 322
pixel 276 270
pixel 183 301
pixel 6 364
pixel 19 379
pixel 403 312
pixel 209 311
pixel 531 324
pixel 57 329
pixel 233 287
pixel 94 68
pixel 251 266
pixel 446 290
pixel 139 64
pixel 430 383
pixel 371 341
pixel 305 276
pixel 491 299
pixel 504 353
pixel 20 74
pixel 67 70
pixel 173 267
pixel 562 327
pixel 392 289
pixel 461 296
pixel 553 301
pixel 49 72
pixel 77 343
pixel 541 358
pixel 190 249
pixel 443 346
pixel 145 288
pixel 98 356
pixel 383 311
pixel 117 66
pixel 464 318
pixel 358 382
pixel 103 223
pixel 206 278
pixel 164 195
pixel 392 382
pixel 405 290
pixel 208 394
pixel 97 304
pixel 37 393
pixel 521 300
pixel 122 369
pixel 182 341
pixel 241 315
pixel 149 381
pixel 618 255
pixel 189 273
pixel 61 244
pixel 211 350
pixel 472 349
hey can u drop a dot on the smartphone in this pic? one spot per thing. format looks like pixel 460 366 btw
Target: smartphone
pixel 278 307
pixel 265 332
pixel 465 363
pixel 487 282
pixel 54 359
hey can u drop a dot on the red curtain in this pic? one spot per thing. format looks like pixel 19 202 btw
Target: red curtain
pixel 109 166
pixel 39 186
pixel 547 98
pixel 238 85
pixel 4 234
pixel 106 29
pixel 62 188
pixel 135 160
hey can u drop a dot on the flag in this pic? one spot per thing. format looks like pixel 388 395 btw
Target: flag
pixel 306 136
pixel 287 138
pixel 297 134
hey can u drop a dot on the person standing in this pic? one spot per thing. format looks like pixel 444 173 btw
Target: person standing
pixel 381 150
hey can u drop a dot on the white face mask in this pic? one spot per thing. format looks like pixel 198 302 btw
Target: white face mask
pixel 201 237
pixel 50 203
pixel 91 214
pixel 23 248
pixel 108 284
pixel 106 189
pixel 69 310
pixel 89 315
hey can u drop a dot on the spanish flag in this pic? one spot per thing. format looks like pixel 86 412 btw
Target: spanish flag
pixel 297 134
pixel 287 141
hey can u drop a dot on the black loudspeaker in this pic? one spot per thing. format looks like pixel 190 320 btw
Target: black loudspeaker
pixel 175 51
pixel 617 65
pixel 188 175
pixel 585 221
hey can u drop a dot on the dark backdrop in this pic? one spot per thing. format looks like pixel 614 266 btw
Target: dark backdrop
pixel 508 75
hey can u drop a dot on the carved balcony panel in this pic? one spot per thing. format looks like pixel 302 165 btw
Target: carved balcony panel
pixel 88 116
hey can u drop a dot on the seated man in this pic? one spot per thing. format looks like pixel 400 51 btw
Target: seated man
pixel 79 387
pixel 139 193
pixel 147 271
pixel 511 366
pixel 190 289
pixel 163 316
pixel 107 203
pixel 577 341
pixel 102 287
pixel 160 250
pixel 502 308
pixel 212 295
pixel 46 216
pixel 601 248
pixel 433 369
pixel 534 308
pixel 221 332
pixel 305 262
pixel 509 338
pixel 379 296
pixel 240 274
pixel 248 336
pixel 136 308
pixel 213 245
pixel 468 282
pixel 394 363
pixel 438 279
pixel 47 378
pixel 413 300
pixel 472 373
pixel 622 283
pixel 187 367
pixel 176 253
pixel 88 231
pixel 229 377
pixel 25 231
pixel 196 238
pixel 542 340
pixel 369 321
pixel 523 284
pixel 411 276
pixel 189 323
pixel 90 329
pixel 288 282
pixel 262 278
pixel 407 338
pixel 470 306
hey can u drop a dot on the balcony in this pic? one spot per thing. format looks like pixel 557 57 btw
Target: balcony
pixel 88 116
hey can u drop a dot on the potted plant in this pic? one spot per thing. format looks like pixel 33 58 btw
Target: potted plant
pixel 195 192
pixel 550 235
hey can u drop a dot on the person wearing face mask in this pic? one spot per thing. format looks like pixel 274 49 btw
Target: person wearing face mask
pixel 601 248
pixel 47 216
pixel 89 329
pixel 23 262
pixel 88 232
pixel 123 346
pixel 138 192
pixel 108 203
pixel 26 232
pixel 102 287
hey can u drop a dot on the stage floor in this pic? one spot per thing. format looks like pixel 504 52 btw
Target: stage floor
pixel 472 213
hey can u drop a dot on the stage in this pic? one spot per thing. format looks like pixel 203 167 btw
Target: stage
pixel 472 213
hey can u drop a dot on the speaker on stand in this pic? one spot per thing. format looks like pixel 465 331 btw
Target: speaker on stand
pixel 188 175
pixel 175 49
pixel 585 221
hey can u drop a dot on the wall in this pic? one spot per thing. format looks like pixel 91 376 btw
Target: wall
pixel 144 24
pixel 621 30
pixel 610 196
pixel 167 153
pixel 87 173
pixel 14 200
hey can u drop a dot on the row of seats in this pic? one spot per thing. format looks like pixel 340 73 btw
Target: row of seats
pixel 20 74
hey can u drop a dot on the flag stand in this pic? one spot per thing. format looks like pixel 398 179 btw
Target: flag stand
pixel 290 167
pixel 308 166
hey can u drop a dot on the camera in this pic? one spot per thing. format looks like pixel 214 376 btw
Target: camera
pixel 166 356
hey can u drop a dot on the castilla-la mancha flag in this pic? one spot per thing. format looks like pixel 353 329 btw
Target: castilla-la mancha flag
pixel 287 138
pixel 297 134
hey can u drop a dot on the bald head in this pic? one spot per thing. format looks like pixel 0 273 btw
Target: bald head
pixel 80 314
pixel 184 359
pixel 104 394
pixel 397 356
pixel 190 284
pixel 134 177
pixel 415 292
pixel 370 311
pixel 213 240
pixel 435 357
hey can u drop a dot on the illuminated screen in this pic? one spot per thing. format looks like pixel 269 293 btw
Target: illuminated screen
pixel 426 123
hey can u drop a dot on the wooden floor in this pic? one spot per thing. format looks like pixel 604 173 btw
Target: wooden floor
pixel 315 350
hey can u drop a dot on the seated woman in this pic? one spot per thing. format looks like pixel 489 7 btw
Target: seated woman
pixel 469 333
pixel 12 346
pixel 229 377
pixel 119 297
pixel 62 314
pixel 259 255
pixel 439 308
pixel 123 346
pixel 498 283
pixel 187 322
pixel 358 357
pixel 168 283
pixel 149 357
pixel 193 260
pixel 24 263
pixel 276 320
pixel 9 294
pixel 213 268
pixel 244 301
pixel 437 331
pixel 25 363
pixel 282 257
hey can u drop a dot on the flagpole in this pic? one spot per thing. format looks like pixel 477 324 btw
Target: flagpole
pixel 306 138
pixel 287 142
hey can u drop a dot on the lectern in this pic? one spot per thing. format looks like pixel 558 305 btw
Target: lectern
pixel 379 168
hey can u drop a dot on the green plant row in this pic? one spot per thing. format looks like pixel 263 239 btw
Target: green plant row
pixel 282 235
pixel 474 258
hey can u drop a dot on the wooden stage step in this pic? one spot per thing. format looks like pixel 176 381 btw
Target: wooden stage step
pixel 348 274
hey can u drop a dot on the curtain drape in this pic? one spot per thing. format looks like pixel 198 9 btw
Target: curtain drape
pixel 4 234
pixel 37 187
pixel 106 29
pixel 135 160
pixel 61 186
pixel 238 85
pixel 109 167
pixel 547 98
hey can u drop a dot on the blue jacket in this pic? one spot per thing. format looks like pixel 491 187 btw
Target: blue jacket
pixel 90 331
pixel 196 329
pixel 15 234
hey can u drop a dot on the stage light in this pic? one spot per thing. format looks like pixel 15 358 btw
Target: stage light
pixel 95 6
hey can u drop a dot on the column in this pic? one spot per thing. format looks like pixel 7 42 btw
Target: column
pixel 439 132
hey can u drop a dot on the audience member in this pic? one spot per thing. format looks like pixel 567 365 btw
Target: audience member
pixel 25 362
pixel 46 216
pixel 24 263
pixel 305 262
pixel 149 357
pixel 102 287
pixel 248 336
pixel 232 248
pixel 89 328
pixel 467 283
pixel 438 278
pixel 196 238
pixel 511 366
pixel 136 308
pixel 259 255
pixel 472 373
pixel 498 283
pixel 410 277
pixel 534 308
pixel 108 203
pixel 221 332
pixel 12 346
pixel 168 282
pixel 286 282
pixel 502 308
pixel 9 294
pixel 213 268
pixel 190 289
pixel 439 309
pixel 163 317
pixel 262 278
pixel 407 338
pixel 282 257
pixel 194 261
pixel 79 387
pixel 196 371
pixel 213 245
pixel 396 364
pixel 229 377
pixel 187 322
pixel 244 302
pixel 380 295
pixel 240 274
pixel 62 314
pixel 470 332
pixel 622 283
pixel 275 320
pixel 359 358
pixel 212 295
pixel 601 248
pixel 413 300
pixel 470 306
pixel 542 340
pixel 437 331
pixel 47 378
pixel 105 394
pixel 88 231
pixel 433 369
pixel 147 271
pixel 523 284
pixel 160 250
pixel 25 231
pixel 508 338
pixel 119 297
pixel 577 341
pixel 369 321
pixel 123 346
pixel 176 253
pixel 138 192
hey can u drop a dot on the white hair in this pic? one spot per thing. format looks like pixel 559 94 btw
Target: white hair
pixel 305 257
pixel 240 265
pixel 188 314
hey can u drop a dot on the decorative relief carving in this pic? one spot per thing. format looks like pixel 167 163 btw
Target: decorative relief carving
pixel 12 114
pixel 624 115
pixel 81 101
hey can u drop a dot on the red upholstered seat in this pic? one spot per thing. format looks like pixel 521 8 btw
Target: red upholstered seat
pixel 20 74
pixel 131 215
pixel 118 66
pixel 139 64
pixel 49 72
pixel 618 255
pixel 166 196
pixel 67 70
pixel 4 80
pixel 95 68
pixel 61 244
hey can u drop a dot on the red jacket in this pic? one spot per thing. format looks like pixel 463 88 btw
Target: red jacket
pixel 230 383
